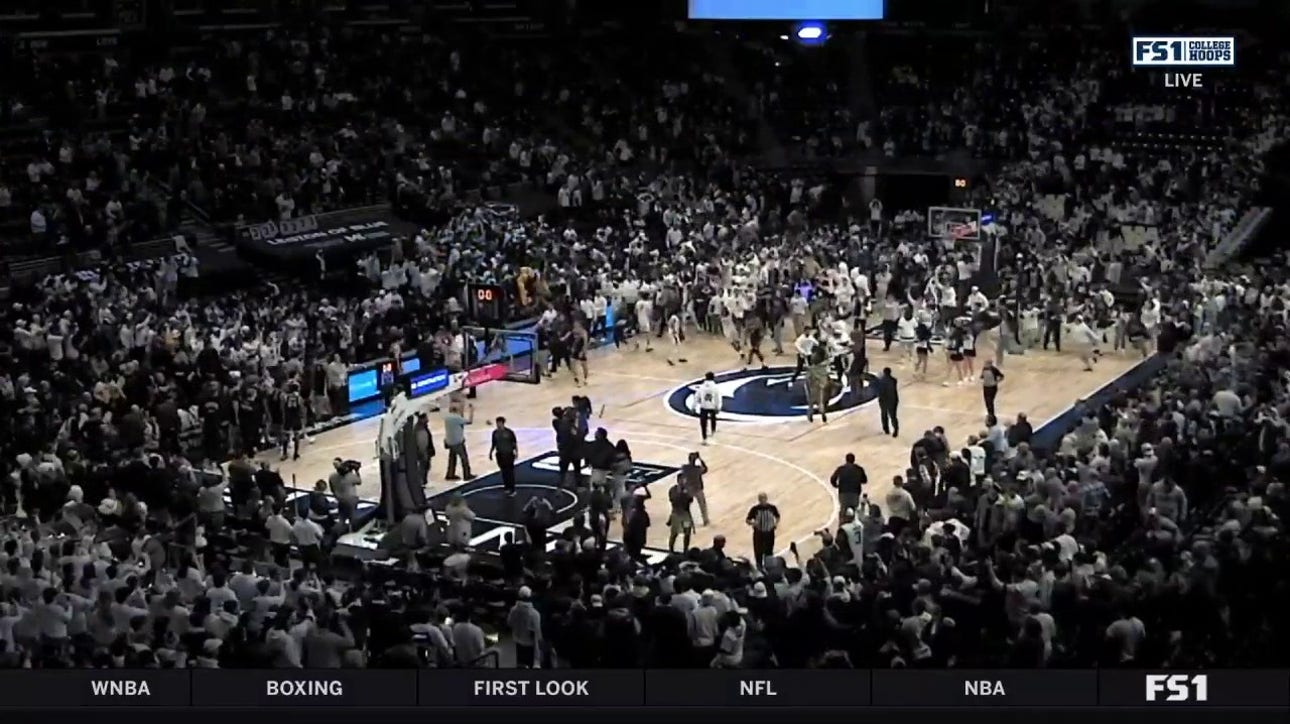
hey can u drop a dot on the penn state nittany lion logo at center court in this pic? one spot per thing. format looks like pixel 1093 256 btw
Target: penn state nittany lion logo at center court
pixel 762 396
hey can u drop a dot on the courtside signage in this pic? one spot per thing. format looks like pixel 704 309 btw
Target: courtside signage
pixel 1182 52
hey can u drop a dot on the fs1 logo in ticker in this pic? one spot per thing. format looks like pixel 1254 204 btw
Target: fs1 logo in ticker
pixel 1177 688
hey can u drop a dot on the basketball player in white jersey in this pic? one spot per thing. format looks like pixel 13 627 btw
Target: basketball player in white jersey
pixel 676 333
pixel 644 322
pixel 729 327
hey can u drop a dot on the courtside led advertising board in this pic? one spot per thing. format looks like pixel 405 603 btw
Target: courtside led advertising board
pixel 1182 52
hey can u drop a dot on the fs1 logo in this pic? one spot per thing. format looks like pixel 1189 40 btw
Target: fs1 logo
pixel 1177 687
pixel 764 396
pixel 1182 52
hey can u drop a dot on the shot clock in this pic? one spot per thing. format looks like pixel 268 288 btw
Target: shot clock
pixel 485 302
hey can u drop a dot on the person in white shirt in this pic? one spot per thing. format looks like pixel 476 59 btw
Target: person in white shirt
pixel 804 345
pixel 644 322
pixel 676 333
pixel 707 399
pixel 308 538
pixel 902 511
pixel 1088 341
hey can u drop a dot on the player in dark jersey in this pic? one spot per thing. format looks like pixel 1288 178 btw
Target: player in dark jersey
pixel 250 420
pixel 293 420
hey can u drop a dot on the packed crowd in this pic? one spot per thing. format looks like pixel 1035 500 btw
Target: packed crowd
pixel 1096 552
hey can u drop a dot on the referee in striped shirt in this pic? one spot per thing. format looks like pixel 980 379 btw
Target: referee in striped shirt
pixel 763 518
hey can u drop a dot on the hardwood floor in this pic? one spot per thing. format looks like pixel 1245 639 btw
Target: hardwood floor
pixel 787 458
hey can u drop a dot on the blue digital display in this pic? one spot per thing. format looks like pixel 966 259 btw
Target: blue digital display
pixel 363 385
pixel 427 383
pixel 411 364
pixel 786 9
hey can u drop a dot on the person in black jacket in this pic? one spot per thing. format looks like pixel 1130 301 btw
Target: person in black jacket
pixel 849 479
pixel 888 401
pixel 636 526
pixel 568 445
pixel 599 454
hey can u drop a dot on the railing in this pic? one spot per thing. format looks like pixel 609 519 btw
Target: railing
pixel 1239 237
pixel 493 656
pixel 41 267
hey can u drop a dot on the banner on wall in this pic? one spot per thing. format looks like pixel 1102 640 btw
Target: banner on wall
pixel 350 231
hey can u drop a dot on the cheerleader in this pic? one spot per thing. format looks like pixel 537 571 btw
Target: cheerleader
pixel 906 333
pixel 922 349
pixel 954 341
pixel 969 347
pixel 927 314
pixel 676 333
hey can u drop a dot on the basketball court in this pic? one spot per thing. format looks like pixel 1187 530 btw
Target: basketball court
pixel 764 442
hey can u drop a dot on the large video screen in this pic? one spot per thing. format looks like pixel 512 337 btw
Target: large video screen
pixel 787 9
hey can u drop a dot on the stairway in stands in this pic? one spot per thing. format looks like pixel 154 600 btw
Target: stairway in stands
pixel 723 54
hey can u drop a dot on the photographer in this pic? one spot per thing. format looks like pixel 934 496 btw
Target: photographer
pixel 344 484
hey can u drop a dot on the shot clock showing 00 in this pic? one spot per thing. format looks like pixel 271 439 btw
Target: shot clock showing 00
pixel 486 301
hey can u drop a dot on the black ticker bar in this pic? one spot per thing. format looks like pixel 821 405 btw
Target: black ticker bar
pixel 570 690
